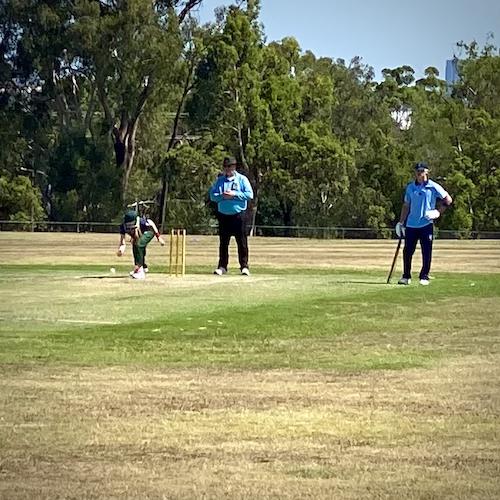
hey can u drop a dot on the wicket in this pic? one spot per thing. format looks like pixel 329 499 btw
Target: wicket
pixel 179 249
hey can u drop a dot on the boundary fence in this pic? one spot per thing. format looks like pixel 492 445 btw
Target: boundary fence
pixel 326 232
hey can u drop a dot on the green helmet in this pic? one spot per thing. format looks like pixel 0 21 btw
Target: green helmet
pixel 130 216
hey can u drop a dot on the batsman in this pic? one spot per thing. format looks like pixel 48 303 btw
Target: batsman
pixel 141 232
pixel 416 222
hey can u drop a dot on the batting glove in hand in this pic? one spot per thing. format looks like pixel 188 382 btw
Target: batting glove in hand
pixel 400 230
pixel 432 214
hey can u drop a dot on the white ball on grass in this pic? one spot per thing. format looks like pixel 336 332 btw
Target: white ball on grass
pixel 112 270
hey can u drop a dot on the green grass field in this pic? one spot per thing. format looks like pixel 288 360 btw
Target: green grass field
pixel 312 378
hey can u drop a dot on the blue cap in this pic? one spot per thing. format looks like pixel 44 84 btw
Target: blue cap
pixel 420 165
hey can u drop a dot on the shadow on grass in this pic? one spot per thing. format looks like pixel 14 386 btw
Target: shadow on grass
pixel 105 276
pixel 356 282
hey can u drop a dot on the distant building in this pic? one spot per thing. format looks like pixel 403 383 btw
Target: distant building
pixel 451 73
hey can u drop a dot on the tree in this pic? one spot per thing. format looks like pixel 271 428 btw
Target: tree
pixel 19 199
pixel 228 97
pixel 464 129
pixel 191 171
pixel 97 64
pixel 131 48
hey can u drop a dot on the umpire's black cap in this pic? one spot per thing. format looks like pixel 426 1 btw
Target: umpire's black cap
pixel 229 160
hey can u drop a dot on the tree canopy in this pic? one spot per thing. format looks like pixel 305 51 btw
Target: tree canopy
pixel 114 101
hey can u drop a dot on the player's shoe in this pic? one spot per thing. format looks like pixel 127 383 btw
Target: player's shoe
pixel 139 274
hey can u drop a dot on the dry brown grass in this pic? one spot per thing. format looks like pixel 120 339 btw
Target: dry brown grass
pixel 179 434
pixel 85 248
pixel 149 433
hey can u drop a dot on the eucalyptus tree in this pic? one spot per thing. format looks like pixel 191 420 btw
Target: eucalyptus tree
pixel 477 166
pixel 324 166
pixel 94 67
pixel 456 131
pixel 228 98
pixel 23 120
pixel 361 120
pixel 399 115
pixel 282 95
pixel 196 42
pixel 191 171
pixel 131 49
pixel 20 196
pixel 435 119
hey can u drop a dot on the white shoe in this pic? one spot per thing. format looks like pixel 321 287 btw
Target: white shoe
pixel 146 270
pixel 424 282
pixel 139 274
pixel 404 281
pixel 220 271
pixel 245 271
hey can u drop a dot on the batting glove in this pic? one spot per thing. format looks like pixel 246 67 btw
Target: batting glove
pixel 400 230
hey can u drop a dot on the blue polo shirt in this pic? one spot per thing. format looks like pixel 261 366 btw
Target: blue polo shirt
pixel 242 189
pixel 422 197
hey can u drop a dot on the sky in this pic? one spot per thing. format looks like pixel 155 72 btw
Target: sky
pixel 385 33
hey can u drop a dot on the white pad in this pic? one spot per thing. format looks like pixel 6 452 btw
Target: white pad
pixel 432 214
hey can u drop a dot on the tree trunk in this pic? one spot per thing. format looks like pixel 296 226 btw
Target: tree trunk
pixel 175 126
pixel 253 213
pixel 287 216
pixel 163 203
pixel 254 205
pixel 124 145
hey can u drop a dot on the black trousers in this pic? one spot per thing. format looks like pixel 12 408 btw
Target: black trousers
pixel 233 225
pixel 412 236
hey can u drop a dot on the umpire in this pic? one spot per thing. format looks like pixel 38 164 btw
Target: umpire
pixel 230 191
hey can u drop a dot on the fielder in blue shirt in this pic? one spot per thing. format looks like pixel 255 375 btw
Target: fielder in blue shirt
pixel 416 221
pixel 231 191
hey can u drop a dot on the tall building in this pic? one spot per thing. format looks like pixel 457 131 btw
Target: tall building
pixel 451 73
